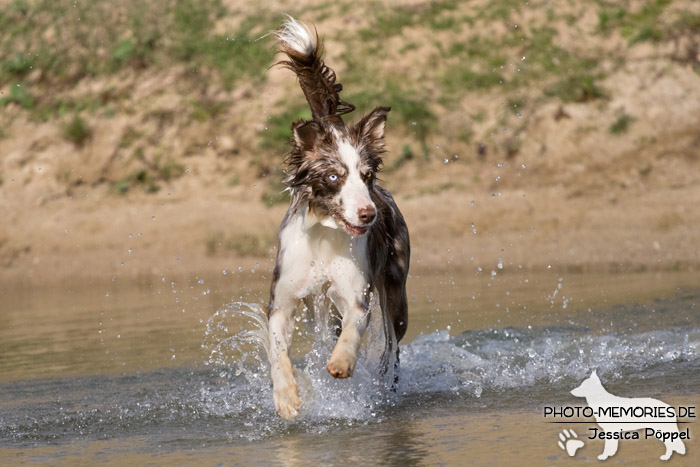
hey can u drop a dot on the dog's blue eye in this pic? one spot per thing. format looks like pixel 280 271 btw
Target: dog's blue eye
pixel 333 177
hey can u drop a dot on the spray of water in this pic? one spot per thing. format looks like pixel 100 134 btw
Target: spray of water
pixel 237 342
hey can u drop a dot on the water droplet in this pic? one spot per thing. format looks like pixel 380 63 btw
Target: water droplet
pixel 200 281
pixel 445 161
pixel 523 166
pixel 224 272
pixel 130 250
pixel 522 59
pixel 178 260
pixel 472 203
pixel 106 294
pixel 153 218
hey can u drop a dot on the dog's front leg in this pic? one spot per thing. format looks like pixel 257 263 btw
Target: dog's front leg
pixel 609 450
pixel 344 355
pixel 284 386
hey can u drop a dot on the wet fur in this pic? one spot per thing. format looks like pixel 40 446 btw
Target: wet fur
pixel 343 235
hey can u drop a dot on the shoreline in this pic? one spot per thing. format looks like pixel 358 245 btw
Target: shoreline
pixel 198 233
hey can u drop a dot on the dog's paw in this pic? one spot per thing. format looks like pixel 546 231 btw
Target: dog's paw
pixel 341 365
pixel 287 401
pixel 569 442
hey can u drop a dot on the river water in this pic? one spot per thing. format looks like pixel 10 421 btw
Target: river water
pixel 175 371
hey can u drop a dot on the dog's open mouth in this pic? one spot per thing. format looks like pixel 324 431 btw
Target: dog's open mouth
pixel 355 230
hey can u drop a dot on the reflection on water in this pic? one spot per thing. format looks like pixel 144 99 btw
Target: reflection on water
pixel 174 366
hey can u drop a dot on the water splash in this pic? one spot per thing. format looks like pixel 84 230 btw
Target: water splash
pixel 230 398
pixel 238 344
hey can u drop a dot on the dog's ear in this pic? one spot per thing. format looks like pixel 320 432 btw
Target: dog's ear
pixel 305 134
pixel 370 130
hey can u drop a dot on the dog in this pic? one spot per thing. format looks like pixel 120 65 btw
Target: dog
pixel 617 415
pixel 343 235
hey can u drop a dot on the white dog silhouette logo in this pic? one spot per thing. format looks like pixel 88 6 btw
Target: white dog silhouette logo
pixel 619 415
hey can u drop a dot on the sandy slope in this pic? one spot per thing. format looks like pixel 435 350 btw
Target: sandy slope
pixel 574 194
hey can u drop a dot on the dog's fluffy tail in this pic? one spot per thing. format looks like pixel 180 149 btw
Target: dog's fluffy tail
pixel 317 81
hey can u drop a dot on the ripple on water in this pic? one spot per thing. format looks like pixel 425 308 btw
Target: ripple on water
pixel 229 398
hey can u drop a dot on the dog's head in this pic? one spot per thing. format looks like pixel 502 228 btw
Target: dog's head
pixel 589 386
pixel 334 167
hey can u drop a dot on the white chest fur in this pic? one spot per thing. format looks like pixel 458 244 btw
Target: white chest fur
pixel 314 254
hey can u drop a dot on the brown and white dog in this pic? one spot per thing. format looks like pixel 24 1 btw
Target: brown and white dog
pixel 343 235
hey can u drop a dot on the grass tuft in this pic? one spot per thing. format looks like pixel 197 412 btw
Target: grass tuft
pixel 77 130
pixel 18 95
pixel 621 125
pixel 577 88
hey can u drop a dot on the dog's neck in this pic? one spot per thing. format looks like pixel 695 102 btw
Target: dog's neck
pixel 600 397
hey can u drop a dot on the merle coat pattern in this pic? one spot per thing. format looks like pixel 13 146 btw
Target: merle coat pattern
pixel 343 235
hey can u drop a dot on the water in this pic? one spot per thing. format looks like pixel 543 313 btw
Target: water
pixel 176 372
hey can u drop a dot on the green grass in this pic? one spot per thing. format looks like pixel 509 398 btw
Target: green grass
pixel 18 95
pixel 141 178
pixel 205 108
pixel 463 77
pixel 160 168
pixel 77 130
pixel 577 88
pixel 406 155
pixel 621 124
pixel 65 41
pixel 18 64
pixel 278 132
pixel 391 21
pixel 409 109
pixel 500 9
pixel 637 26
pixel 168 169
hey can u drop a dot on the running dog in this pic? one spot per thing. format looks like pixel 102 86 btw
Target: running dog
pixel 343 235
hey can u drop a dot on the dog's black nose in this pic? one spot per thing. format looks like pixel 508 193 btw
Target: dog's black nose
pixel 367 214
